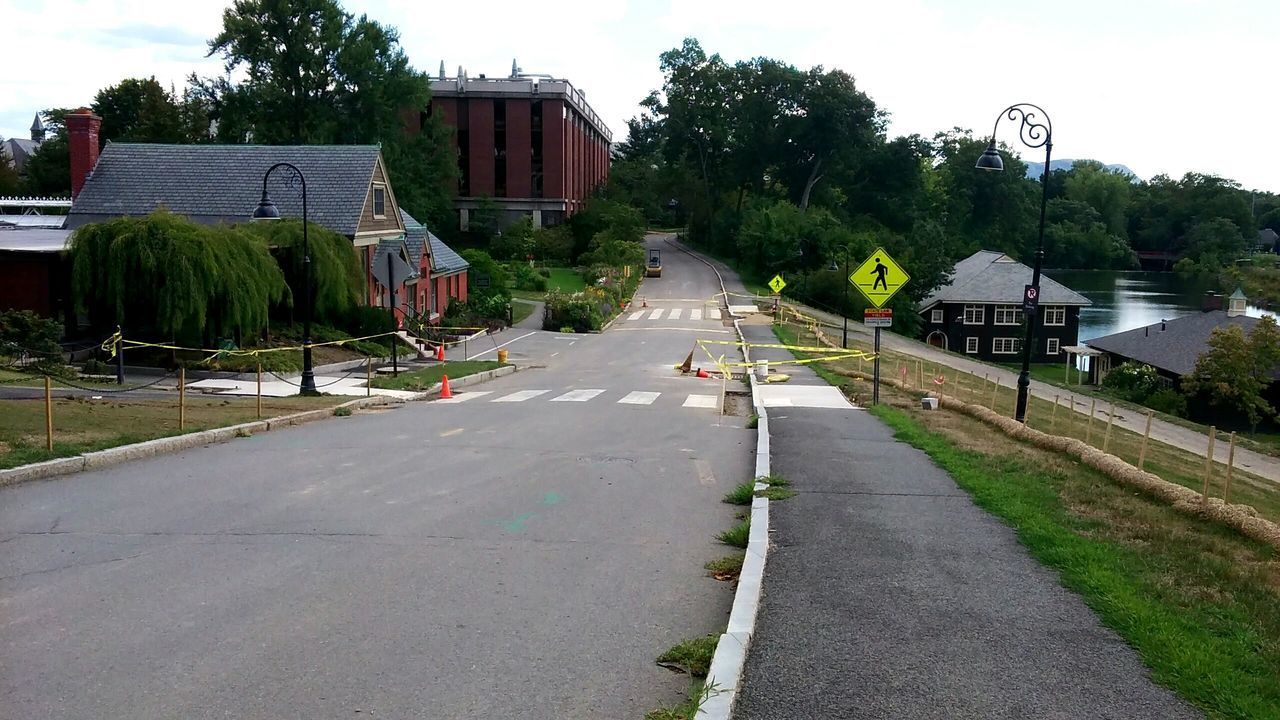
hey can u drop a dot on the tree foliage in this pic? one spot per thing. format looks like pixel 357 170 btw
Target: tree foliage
pixel 1233 375
pixel 336 274
pixel 141 110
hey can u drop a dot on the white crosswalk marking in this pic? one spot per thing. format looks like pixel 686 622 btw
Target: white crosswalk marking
pixel 640 397
pixel 520 396
pixel 636 315
pixel 462 397
pixel 713 313
pixel 695 314
pixel 675 313
pixel 577 396
pixel 700 401
pixel 656 314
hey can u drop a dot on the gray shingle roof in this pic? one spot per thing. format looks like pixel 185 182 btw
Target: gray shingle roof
pixel 223 183
pixel 1176 348
pixel 443 259
pixel 992 277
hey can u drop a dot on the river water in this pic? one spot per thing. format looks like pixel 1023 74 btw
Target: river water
pixel 1131 299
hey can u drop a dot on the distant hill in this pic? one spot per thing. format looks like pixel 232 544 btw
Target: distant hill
pixel 1034 169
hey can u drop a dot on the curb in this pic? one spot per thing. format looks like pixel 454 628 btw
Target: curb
pixel 177 443
pixel 730 657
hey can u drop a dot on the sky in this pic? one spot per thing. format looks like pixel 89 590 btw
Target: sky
pixel 1162 86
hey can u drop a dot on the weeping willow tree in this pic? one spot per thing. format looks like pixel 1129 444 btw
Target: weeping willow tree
pixel 336 274
pixel 164 275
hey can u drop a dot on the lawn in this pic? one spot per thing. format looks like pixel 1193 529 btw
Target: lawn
pixel 419 380
pixel 1195 599
pixel 82 425
pixel 521 310
pixel 563 279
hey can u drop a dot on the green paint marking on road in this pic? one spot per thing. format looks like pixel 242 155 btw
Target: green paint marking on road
pixel 517 523
pixel 551 498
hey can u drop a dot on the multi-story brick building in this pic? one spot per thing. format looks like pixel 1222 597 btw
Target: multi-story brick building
pixel 529 142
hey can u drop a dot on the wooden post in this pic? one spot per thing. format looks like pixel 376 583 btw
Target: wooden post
pixel 920 373
pixel 1231 464
pixel 259 389
pixel 994 389
pixel 1053 416
pixel 182 398
pixel 48 413
pixel 1208 462
pixel 1146 435
pixel 1106 437
pixel 1088 429
pixel 959 385
pixel 368 376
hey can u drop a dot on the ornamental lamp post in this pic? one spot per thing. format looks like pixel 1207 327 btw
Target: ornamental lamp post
pixel 1035 131
pixel 267 210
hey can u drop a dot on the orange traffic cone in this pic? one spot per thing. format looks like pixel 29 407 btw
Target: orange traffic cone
pixel 440 352
pixel 703 373
pixel 445 392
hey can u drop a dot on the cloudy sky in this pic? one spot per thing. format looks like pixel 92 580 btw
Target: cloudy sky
pixel 1163 86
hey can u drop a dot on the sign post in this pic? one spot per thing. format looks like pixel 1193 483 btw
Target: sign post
pixel 776 285
pixel 878 278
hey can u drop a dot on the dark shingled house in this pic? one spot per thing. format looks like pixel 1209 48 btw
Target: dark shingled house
pixel 979 312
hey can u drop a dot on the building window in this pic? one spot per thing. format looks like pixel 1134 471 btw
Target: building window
pixel 500 148
pixel 1055 315
pixel 971 344
pixel 975 314
pixel 1008 315
pixel 379 202
pixel 1004 346
pixel 935 317
pixel 1051 346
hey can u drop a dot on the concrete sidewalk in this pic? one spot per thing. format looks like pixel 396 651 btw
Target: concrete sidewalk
pixel 889 594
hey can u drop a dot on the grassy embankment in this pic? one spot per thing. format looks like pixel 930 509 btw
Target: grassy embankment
pixel 1195 599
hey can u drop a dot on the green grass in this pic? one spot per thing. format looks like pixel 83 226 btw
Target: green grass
pixel 691 656
pixel 521 310
pixel 1196 600
pixel 737 535
pixel 565 280
pixel 687 710
pixel 741 494
pixel 776 493
pixel 725 568
pixel 423 379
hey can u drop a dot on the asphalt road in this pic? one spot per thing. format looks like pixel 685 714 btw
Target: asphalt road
pixel 525 558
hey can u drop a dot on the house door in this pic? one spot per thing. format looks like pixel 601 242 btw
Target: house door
pixel 938 339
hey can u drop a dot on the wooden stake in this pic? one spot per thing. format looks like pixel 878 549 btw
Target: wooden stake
pixel 994 389
pixel 1146 435
pixel 920 373
pixel 259 390
pixel 368 376
pixel 1208 462
pixel 1231 465
pixel 1088 430
pixel 1053 416
pixel 182 398
pixel 48 414
pixel 1106 437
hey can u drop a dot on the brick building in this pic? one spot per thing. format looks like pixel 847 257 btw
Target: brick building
pixel 529 142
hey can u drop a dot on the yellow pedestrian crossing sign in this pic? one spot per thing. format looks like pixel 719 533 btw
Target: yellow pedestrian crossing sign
pixel 879 277
pixel 777 283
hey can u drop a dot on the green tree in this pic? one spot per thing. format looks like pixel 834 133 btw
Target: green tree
pixel 49 170
pixel 141 110
pixel 1106 191
pixel 515 242
pixel 991 210
pixel 337 277
pixel 1236 370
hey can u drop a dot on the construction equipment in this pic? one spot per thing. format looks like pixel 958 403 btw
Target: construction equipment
pixel 654 269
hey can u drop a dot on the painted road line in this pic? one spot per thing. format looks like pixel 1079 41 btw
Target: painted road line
pixel 700 401
pixel 451 433
pixel 640 398
pixel 636 315
pixel 520 396
pixel 713 313
pixel 577 396
pixel 461 397
pixel 695 314
pixel 655 314
pixel 494 349
pixel 675 313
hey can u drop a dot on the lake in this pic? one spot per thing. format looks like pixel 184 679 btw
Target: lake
pixel 1131 299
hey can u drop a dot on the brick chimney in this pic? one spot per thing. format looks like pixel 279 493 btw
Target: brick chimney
pixel 82 139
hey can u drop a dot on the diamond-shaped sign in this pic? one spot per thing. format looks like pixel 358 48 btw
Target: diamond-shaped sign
pixel 777 283
pixel 879 277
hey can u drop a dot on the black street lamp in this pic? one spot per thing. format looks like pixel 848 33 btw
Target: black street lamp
pixel 844 309
pixel 1034 133
pixel 267 210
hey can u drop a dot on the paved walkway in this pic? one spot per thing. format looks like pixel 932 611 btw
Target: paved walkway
pixel 1259 464
pixel 889 594
pixel 534 321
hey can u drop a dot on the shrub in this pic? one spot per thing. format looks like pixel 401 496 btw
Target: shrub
pixel 30 338
pixel 553 245
pixel 1168 401
pixel 577 311
pixel 94 366
pixel 527 278
pixel 1132 381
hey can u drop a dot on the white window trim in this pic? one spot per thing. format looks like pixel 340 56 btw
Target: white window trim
pixel 374 201
pixel 1052 346
pixel 1005 310
pixel 971 344
pixel 996 342
pixel 1057 310
pixel 981 311
pixel 935 316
